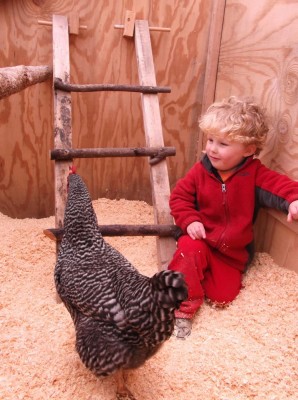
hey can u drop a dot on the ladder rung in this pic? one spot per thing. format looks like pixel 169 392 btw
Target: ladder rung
pixel 156 153
pixel 125 230
pixel 69 87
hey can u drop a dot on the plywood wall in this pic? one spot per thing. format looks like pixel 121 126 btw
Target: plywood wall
pixel 98 54
pixel 259 58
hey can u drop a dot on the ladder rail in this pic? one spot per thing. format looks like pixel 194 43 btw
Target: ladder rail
pixel 154 137
pixel 62 113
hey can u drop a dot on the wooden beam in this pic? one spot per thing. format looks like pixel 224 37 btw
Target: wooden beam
pixel 73 29
pixel 15 79
pixel 62 113
pixel 215 32
pixel 151 28
pixel 154 137
pixel 109 87
pixel 129 23
pixel 125 230
pixel 73 23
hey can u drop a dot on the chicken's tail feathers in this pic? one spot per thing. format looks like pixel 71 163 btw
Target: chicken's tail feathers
pixel 170 288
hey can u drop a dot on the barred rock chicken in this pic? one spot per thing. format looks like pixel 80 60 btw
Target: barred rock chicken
pixel 121 317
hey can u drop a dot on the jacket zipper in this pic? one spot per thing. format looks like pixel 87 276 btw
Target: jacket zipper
pixel 224 203
pixel 224 191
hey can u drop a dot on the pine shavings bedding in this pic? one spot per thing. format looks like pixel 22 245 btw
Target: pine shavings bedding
pixel 247 351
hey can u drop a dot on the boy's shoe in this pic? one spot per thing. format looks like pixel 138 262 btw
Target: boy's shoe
pixel 216 304
pixel 182 328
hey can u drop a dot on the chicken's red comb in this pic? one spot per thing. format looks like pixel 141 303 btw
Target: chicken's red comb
pixel 72 170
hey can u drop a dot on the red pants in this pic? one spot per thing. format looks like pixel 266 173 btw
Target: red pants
pixel 205 273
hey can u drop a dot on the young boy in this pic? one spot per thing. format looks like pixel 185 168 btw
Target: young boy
pixel 216 203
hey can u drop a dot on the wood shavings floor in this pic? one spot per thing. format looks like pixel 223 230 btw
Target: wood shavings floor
pixel 247 351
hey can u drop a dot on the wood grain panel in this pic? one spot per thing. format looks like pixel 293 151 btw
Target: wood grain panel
pixel 259 58
pixel 98 54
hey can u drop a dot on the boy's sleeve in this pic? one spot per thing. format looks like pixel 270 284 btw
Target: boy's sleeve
pixel 183 200
pixel 275 190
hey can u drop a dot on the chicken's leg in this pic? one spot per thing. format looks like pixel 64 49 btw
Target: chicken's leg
pixel 122 391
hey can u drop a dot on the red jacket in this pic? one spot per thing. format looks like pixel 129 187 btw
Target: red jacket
pixel 228 210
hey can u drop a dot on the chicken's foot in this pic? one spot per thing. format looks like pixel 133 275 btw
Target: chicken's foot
pixel 123 393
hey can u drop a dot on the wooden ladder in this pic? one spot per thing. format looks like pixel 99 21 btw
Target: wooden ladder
pixel 63 153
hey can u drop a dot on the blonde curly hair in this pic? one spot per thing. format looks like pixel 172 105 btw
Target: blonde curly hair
pixel 241 121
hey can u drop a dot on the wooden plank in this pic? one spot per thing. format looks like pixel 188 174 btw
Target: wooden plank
pixel 279 238
pixel 282 218
pixel 73 23
pixel 154 137
pixel 62 113
pixel 214 41
pixel 129 23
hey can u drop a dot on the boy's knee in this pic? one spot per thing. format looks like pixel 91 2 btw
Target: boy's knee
pixel 186 243
pixel 222 296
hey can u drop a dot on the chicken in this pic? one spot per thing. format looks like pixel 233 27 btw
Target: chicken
pixel 121 317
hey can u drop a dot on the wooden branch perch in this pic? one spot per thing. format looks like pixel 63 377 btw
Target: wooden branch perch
pixel 156 153
pixel 15 79
pixel 68 87
pixel 125 230
pixel 161 154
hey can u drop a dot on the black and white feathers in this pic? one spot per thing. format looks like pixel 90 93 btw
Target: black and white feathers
pixel 121 317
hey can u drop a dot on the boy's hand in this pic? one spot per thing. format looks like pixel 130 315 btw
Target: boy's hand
pixel 293 211
pixel 196 230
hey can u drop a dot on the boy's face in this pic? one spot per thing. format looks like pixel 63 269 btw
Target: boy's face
pixel 225 154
